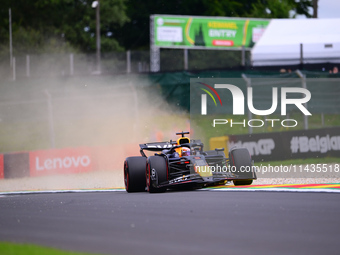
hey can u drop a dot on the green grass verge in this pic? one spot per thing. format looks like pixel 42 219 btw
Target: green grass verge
pixel 7 248
pixel 327 160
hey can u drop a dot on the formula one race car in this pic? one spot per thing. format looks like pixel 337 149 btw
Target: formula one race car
pixel 184 164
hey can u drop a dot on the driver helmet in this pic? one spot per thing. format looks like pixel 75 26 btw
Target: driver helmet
pixel 185 151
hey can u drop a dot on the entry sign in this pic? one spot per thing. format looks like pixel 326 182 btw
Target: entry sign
pixel 207 32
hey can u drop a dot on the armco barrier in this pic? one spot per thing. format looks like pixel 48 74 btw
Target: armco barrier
pixel 290 144
pixel 65 161
pixel 16 165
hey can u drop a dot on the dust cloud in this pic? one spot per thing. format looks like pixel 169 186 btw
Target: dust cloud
pixel 80 111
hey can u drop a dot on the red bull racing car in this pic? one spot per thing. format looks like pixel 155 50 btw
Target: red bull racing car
pixel 184 164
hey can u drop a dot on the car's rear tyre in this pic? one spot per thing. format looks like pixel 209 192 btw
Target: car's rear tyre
pixel 156 173
pixel 134 174
pixel 243 182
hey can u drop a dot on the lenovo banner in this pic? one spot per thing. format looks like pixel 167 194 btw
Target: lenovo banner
pixel 291 144
pixel 60 161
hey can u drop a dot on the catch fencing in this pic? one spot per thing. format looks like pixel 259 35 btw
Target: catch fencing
pixel 74 64
pixel 68 111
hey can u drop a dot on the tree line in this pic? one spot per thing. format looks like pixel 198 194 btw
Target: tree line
pixel 58 26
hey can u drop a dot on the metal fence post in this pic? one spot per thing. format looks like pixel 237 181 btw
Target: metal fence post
pixel 243 60
pixel 304 85
pixel 71 64
pixel 186 64
pixel 14 73
pixel 250 115
pixel 28 73
pixel 128 61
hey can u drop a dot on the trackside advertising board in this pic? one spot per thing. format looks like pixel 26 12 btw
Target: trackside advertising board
pixel 314 143
pixel 303 144
pixel 60 161
pixel 65 161
pixel 206 32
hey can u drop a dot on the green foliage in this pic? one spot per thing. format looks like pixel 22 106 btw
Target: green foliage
pixel 60 25
pixel 7 248
pixel 280 8
pixel 140 11
pixel 42 26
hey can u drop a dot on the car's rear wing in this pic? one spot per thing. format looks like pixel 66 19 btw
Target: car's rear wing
pixel 157 146
pixel 160 146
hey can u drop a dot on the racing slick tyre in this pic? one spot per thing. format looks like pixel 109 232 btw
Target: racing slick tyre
pixel 134 174
pixel 241 160
pixel 156 173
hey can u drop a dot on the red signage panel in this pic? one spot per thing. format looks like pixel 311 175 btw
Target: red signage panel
pixel 60 161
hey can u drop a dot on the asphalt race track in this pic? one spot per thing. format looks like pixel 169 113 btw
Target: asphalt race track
pixel 193 222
